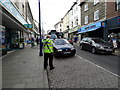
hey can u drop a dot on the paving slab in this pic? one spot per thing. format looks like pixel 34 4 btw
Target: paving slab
pixel 24 69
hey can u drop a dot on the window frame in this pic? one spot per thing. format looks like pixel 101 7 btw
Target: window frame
pixel 96 2
pixel 96 14
pixel 85 7
pixel 117 4
pixel 86 19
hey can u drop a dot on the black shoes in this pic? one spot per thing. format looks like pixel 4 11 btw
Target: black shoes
pixel 45 68
pixel 52 68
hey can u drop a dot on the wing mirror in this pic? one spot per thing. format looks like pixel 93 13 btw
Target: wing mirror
pixel 90 42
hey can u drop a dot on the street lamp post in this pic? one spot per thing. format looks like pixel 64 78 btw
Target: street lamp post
pixel 40 52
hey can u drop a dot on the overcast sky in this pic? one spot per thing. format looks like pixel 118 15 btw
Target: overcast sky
pixel 51 11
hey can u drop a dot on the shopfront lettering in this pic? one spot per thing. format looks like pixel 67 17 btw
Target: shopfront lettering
pixel 118 21
pixel 90 27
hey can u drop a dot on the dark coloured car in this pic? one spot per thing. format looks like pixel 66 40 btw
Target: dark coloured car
pixel 96 45
pixel 63 48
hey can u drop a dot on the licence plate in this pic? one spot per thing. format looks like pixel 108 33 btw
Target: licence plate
pixel 67 52
pixel 109 49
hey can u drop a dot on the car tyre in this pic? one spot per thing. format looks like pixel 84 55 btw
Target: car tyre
pixel 93 50
pixel 73 54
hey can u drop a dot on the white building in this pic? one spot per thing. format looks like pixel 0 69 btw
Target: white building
pixel 59 26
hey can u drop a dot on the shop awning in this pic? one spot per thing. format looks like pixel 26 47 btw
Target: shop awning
pixel 90 27
pixel 9 21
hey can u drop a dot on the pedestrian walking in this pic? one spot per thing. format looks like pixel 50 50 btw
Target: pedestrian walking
pixel 37 41
pixel 48 52
pixel 32 42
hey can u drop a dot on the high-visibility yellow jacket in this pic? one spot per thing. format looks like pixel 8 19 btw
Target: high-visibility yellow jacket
pixel 48 46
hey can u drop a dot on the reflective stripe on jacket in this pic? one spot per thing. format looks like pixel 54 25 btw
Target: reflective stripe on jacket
pixel 48 46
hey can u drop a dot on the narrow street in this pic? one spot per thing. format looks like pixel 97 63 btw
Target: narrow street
pixel 107 61
pixel 24 69
pixel 83 71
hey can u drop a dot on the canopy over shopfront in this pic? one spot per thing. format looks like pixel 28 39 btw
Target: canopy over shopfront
pixel 90 27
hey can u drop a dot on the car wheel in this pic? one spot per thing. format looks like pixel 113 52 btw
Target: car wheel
pixel 93 50
pixel 81 47
pixel 73 54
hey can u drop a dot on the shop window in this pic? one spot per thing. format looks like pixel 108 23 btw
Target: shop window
pixel 86 7
pixel 96 15
pixel 86 19
pixel 96 2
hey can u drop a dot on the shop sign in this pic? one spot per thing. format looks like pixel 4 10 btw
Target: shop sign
pixel 90 27
pixel 29 26
pixel 113 23
pixel 103 24
pixel 9 6
pixel 119 20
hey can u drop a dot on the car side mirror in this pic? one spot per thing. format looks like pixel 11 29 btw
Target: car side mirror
pixel 90 42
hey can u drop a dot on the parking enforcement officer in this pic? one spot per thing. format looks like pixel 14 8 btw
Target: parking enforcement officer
pixel 48 52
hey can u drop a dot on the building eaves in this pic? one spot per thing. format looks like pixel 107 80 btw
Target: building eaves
pixel 83 2
pixel 30 10
pixel 74 3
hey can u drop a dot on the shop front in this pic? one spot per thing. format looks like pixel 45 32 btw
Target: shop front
pixel 113 27
pixel 13 24
pixel 3 46
pixel 65 34
pixel 92 30
pixel 73 32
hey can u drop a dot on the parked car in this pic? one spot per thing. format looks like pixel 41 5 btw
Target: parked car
pixel 63 48
pixel 70 41
pixel 96 45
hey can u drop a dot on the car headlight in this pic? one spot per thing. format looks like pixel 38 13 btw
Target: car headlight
pixel 59 50
pixel 72 48
pixel 100 47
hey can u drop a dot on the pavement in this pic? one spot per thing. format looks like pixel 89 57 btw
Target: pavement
pixel 23 68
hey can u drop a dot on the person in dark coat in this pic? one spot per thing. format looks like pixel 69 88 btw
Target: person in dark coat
pixel 37 41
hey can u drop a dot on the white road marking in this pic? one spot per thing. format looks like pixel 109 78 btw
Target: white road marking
pixel 99 66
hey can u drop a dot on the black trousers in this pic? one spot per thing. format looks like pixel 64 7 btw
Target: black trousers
pixel 46 57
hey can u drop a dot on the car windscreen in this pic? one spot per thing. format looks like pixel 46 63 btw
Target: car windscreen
pixel 99 41
pixel 61 42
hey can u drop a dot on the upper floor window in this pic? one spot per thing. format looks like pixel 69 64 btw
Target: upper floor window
pixel 17 4
pixel 76 20
pixel 86 7
pixel 86 19
pixel 118 4
pixel 60 30
pixel 23 9
pixel 96 1
pixel 96 15
pixel 60 25
pixel 71 13
pixel 72 24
